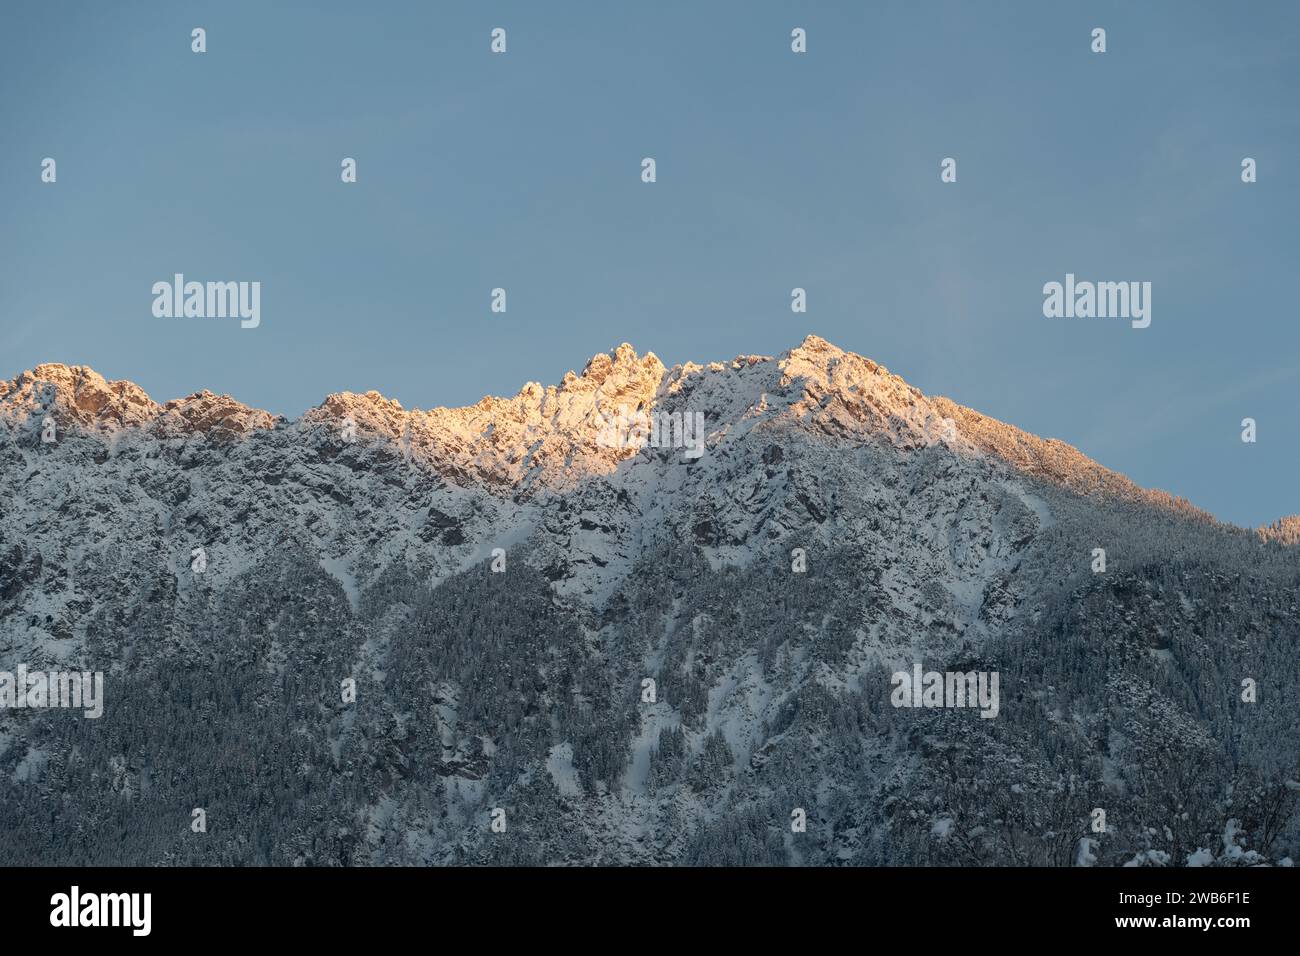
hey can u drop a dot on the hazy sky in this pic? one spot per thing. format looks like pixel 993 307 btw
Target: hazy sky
pixel 775 170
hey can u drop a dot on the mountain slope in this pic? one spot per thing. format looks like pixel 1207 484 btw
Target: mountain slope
pixel 502 580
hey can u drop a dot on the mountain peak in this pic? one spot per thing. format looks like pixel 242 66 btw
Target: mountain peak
pixel 623 364
pixel 219 416
pixel 77 394
pixel 551 436
pixel 815 343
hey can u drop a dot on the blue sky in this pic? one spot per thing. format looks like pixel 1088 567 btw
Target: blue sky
pixel 775 170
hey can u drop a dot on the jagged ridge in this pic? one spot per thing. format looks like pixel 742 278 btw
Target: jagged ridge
pixel 545 437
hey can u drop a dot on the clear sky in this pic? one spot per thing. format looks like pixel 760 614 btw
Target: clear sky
pixel 775 170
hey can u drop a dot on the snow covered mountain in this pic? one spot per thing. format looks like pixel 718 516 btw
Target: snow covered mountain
pixel 577 634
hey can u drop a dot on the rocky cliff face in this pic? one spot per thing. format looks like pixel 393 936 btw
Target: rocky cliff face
pixel 553 606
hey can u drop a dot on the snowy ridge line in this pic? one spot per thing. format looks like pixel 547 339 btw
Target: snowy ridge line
pixel 551 437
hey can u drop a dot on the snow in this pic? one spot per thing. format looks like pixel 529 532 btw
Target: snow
pixel 338 568
pixel 560 766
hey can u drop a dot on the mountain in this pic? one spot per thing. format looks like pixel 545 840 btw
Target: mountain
pixel 645 615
